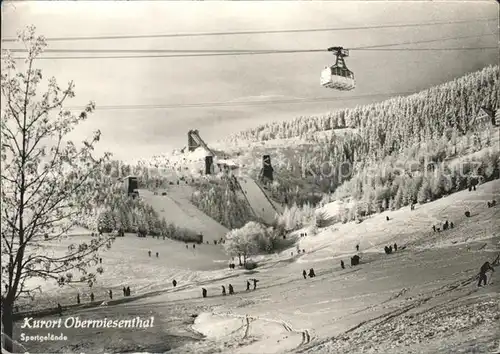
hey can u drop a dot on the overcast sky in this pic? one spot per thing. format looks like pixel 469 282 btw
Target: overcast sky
pixel 144 132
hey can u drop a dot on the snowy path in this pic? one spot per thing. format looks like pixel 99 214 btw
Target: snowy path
pixel 258 333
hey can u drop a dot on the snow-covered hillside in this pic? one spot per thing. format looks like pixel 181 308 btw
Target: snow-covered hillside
pixel 411 227
pixel 127 264
pixel 420 299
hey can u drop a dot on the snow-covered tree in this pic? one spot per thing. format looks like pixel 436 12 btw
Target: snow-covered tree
pixel 248 240
pixel 424 193
pixel 106 221
pixel 295 217
pixel 46 180
pixel 437 184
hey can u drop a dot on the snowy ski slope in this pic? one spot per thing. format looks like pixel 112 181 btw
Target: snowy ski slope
pixel 421 299
pixel 260 203
pixel 177 208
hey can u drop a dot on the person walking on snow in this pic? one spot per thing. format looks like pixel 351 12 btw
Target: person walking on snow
pixel 482 273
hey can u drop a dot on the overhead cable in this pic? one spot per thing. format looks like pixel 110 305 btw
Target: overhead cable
pixel 202 34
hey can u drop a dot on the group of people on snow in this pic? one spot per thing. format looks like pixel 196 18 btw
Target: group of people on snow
pixel 204 291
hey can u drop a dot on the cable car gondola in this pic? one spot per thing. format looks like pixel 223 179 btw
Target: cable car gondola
pixel 338 76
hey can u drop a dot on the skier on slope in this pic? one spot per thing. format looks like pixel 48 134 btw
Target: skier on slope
pixel 482 273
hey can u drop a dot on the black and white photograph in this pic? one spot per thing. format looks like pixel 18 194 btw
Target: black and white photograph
pixel 250 177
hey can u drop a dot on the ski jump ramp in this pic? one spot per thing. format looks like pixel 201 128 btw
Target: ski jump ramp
pixel 177 208
pixel 260 203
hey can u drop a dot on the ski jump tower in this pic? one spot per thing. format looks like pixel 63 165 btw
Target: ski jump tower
pixel 194 142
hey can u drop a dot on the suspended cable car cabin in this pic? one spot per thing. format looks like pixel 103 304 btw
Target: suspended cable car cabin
pixel 338 76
